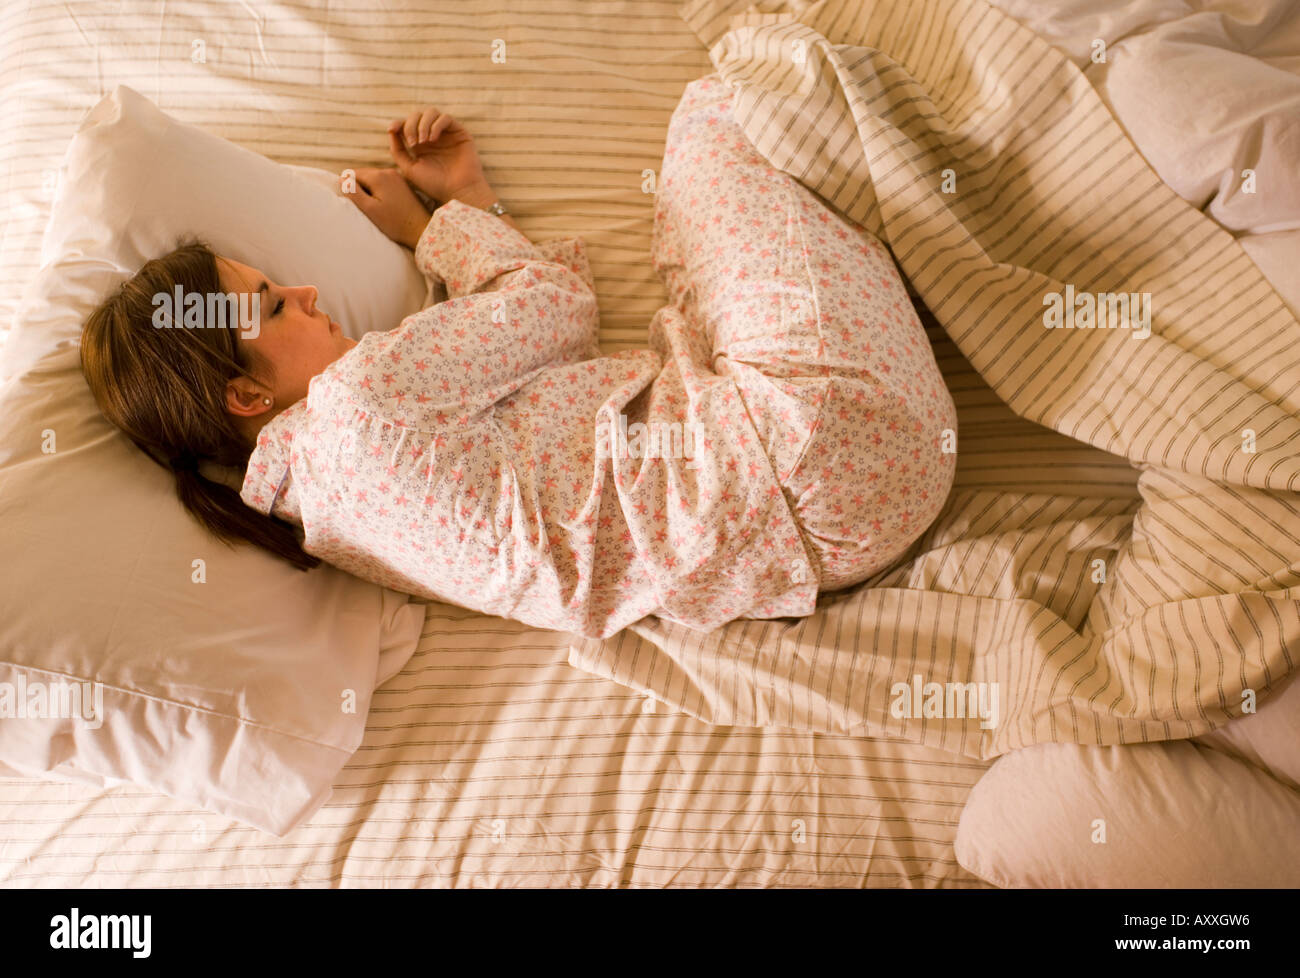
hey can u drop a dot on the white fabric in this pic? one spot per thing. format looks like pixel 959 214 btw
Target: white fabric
pixel 233 693
pixel 1206 92
pixel 1268 738
pixel 1147 815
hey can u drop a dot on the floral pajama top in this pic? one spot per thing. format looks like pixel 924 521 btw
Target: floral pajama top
pixel 475 455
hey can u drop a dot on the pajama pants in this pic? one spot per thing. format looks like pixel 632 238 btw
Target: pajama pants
pixel 807 315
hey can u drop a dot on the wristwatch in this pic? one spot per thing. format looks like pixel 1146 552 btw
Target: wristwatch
pixel 496 208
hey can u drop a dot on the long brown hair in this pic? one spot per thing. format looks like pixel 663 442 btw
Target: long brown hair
pixel 166 389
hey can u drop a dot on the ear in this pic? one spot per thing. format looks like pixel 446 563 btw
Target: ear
pixel 245 399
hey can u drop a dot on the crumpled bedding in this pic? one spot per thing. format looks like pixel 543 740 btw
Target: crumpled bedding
pixel 1088 620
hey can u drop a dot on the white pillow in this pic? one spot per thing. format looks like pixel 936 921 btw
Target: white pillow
pixel 1204 108
pixel 1269 738
pixel 1205 90
pixel 1174 816
pixel 244 694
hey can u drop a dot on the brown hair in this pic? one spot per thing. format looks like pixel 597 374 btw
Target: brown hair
pixel 166 389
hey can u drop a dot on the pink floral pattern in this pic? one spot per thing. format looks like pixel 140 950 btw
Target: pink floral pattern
pixel 459 456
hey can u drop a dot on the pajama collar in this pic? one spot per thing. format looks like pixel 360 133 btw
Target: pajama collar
pixel 268 480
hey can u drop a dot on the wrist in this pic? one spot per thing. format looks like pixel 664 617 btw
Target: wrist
pixel 481 196
pixel 478 194
pixel 415 228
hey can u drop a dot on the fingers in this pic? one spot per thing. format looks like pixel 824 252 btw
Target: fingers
pixel 441 125
pixel 427 120
pixel 360 198
pixel 398 151
pixel 432 124
pixel 408 127
pixel 366 177
pixel 370 182
pixel 411 130
pixel 421 126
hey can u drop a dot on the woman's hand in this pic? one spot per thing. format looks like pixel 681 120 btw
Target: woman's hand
pixel 385 197
pixel 435 152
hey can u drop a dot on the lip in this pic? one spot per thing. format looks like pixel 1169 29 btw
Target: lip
pixel 335 327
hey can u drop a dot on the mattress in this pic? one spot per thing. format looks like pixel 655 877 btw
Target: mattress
pixel 489 760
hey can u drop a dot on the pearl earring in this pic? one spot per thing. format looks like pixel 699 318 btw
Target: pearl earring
pixel 266 401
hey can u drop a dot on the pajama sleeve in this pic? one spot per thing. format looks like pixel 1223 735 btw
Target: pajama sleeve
pixel 510 312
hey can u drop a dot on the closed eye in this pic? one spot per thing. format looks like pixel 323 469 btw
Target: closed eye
pixel 278 306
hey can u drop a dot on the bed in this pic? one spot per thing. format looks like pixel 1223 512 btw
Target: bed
pixel 501 755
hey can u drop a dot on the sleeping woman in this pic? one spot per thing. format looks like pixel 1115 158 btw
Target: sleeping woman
pixel 787 432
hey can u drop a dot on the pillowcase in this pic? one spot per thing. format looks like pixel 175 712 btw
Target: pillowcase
pixel 1205 90
pixel 225 677
pixel 1269 738
pixel 1175 816
pixel 1209 109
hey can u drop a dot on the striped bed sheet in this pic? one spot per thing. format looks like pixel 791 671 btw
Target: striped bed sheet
pixel 489 761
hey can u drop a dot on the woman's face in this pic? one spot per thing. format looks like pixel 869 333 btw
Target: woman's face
pixel 294 335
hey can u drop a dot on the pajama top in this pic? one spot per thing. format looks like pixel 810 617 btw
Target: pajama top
pixel 485 454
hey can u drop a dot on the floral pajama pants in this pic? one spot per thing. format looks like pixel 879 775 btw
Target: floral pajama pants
pixel 807 315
